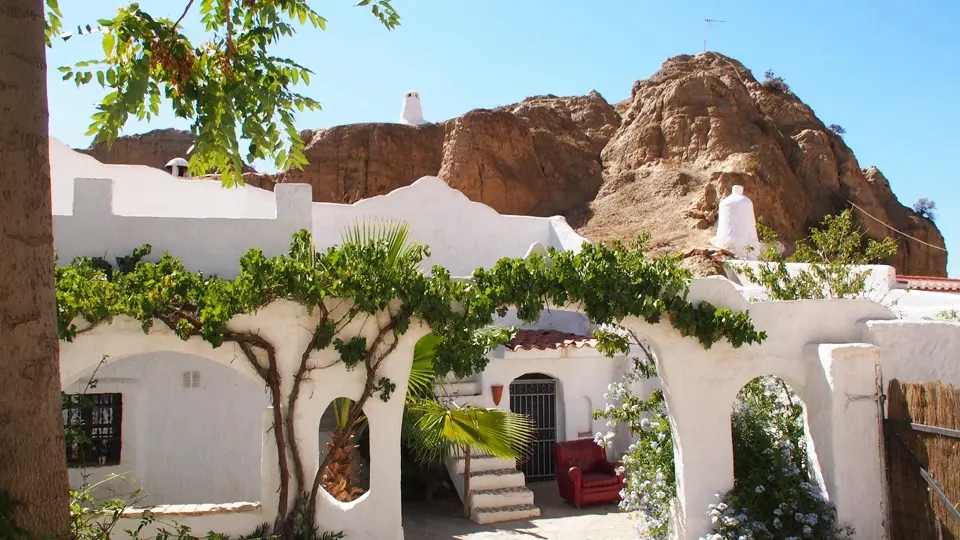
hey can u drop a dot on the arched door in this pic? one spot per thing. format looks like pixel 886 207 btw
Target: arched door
pixel 535 395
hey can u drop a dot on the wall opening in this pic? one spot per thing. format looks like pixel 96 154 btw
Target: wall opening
pixel 537 396
pixel 347 476
pixel 776 484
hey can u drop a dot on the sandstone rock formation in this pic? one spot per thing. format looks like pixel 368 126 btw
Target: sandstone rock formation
pixel 657 161
pixel 702 124
pixel 153 149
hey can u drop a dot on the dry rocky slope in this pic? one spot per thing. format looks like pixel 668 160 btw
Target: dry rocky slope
pixel 658 161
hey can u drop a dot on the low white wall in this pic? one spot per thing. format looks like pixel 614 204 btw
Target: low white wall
pixel 96 227
pixel 462 235
pixel 700 387
pixel 109 210
pixel 917 351
pixel 181 445
pixel 880 279
pixel 375 515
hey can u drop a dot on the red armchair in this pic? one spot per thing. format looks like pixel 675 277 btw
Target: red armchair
pixel 584 475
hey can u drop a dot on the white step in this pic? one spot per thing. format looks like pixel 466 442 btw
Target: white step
pixel 465 388
pixel 484 463
pixel 497 498
pixel 506 513
pixel 495 479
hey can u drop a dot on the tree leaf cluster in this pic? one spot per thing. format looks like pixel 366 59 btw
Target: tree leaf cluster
pixel 230 86
pixel 832 251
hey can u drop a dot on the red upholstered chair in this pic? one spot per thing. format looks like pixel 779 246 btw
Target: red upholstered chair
pixel 584 475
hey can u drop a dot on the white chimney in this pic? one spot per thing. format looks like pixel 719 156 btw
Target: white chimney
pixel 411 113
pixel 178 167
pixel 737 226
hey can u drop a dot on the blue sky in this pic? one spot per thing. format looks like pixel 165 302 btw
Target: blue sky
pixel 886 71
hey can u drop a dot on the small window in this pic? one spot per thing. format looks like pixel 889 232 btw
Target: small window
pixel 191 379
pixel 92 426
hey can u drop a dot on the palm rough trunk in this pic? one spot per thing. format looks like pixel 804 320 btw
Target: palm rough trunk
pixel 340 478
pixel 32 456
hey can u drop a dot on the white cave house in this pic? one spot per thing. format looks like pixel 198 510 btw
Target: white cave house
pixel 190 424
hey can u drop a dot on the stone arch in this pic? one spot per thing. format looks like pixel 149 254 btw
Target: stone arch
pixel 189 429
pixel 125 337
pixel 776 391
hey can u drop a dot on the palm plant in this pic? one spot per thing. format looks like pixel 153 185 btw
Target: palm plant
pixel 340 476
pixel 440 430
pixel 434 430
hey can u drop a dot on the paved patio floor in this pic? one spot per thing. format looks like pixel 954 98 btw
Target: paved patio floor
pixel 559 520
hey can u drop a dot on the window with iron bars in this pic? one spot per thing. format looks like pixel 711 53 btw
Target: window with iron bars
pixel 92 426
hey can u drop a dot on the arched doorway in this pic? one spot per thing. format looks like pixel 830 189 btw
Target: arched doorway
pixel 535 395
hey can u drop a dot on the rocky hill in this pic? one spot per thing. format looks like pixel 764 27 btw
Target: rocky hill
pixel 658 161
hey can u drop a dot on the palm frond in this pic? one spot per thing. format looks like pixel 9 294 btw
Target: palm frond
pixel 440 431
pixel 341 413
pixel 394 235
pixel 422 373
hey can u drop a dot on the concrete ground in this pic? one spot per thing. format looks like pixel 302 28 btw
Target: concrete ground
pixel 559 520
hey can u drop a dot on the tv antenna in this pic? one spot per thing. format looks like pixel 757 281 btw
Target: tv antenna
pixel 706 25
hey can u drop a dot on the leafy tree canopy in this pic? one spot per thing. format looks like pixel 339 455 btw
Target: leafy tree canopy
pixel 229 86
pixel 832 251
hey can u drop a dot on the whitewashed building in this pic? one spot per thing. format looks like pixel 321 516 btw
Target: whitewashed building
pixel 188 423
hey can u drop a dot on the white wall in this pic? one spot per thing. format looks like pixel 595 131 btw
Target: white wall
pixel 880 279
pixel 583 376
pixel 813 346
pixel 462 235
pixel 917 351
pixel 374 516
pixel 881 287
pixel 182 445
pixel 550 319
pixel 113 209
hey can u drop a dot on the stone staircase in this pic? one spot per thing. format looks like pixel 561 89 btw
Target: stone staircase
pixel 498 490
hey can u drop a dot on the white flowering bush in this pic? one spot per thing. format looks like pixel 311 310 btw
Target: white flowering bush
pixel 648 463
pixel 773 497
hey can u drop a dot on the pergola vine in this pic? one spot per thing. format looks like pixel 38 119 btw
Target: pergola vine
pixel 370 278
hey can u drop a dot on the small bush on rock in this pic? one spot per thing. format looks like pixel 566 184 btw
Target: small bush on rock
pixel 925 207
pixel 832 253
pixel 772 82
pixel 837 130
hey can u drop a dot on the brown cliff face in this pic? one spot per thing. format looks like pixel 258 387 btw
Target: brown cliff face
pixel 658 161
pixel 153 149
pixel 358 161
pixel 702 124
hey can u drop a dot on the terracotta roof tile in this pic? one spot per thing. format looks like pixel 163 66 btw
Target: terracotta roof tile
pixel 548 339
pixel 929 283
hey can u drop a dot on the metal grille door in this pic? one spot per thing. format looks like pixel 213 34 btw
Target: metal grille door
pixel 536 396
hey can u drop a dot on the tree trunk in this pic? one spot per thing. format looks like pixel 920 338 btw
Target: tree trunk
pixel 32 456
pixel 466 482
